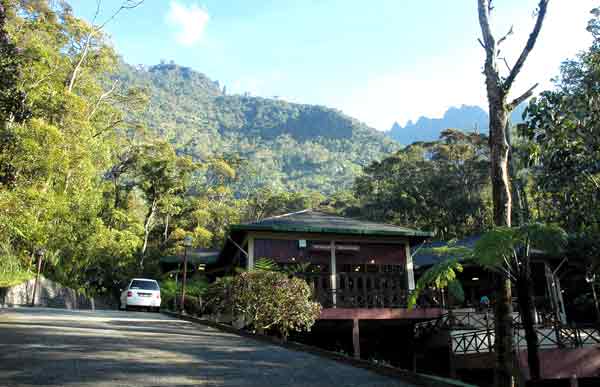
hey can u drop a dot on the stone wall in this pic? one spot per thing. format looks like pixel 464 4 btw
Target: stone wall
pixel 50 294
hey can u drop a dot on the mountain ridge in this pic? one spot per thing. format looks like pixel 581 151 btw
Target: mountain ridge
pixel 468 118
pixel 290 146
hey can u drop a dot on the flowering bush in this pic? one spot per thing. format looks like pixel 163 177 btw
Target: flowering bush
pixel 266 300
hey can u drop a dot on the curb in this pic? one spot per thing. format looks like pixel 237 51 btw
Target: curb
pixel 398 373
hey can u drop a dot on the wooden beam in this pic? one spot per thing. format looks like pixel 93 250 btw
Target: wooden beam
pixel 328 237
pixel 356 338
pixel 380 313
pixel 333 273
pixel 250 265
pixel 410 273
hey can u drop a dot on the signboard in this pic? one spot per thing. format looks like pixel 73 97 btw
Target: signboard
pixel 337 247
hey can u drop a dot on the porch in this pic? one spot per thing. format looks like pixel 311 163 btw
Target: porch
pixel 359 290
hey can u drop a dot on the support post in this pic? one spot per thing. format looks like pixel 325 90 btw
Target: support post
pixel 37 278
pixel 183 282
pixel 333 275
pixel 595 302
pixel 410 273
pixel 356 338
pixel 451 366
pixel 250 253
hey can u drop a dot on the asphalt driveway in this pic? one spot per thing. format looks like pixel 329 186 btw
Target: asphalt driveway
pixel 45 347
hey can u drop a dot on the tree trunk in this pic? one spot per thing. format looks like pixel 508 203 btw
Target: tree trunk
pixel 148 226
pixel 499 149
pixel 498 88
pixel 526 306
pixel 503 334
pixel 501 197
pixel 166 232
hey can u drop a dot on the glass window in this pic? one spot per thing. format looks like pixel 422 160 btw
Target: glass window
pixel 144 285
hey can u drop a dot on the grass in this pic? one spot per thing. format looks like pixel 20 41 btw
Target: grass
pixel 9 279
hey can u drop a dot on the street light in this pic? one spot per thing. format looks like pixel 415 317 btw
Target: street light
pixel 40 254
pixel 590 278
pixel 187 242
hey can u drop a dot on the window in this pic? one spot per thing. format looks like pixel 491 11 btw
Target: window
pixel 144 285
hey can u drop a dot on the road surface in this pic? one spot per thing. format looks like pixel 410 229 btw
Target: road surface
pixel 45 347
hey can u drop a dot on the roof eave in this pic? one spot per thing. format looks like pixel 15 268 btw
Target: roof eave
pixel 328 230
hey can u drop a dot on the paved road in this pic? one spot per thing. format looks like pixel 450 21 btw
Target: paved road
pixel 43 347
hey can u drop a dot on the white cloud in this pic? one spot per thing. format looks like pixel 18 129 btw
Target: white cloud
pixel 434 83
pixel 189 21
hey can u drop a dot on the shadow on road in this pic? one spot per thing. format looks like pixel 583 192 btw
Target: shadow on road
pixel 114 351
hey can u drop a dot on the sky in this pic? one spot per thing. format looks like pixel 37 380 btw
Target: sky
pixel 380 61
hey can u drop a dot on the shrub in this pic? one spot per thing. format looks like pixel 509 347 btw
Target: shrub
pixel 12 271
pixel 194 290
pixel 266 300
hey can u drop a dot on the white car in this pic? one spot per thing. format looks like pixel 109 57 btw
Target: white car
pixel 141 294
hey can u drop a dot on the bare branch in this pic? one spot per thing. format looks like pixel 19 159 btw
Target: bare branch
pixel 77 67
pixel 594 180
pixel 127 4
pixel 505 62
pixel 480 42
pixel 109 127
pixel 489 43
pixel 517 101
pixel 542 8
pixel 102 97
pixel 502 39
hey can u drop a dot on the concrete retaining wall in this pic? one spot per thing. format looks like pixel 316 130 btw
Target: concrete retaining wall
pixel 50 294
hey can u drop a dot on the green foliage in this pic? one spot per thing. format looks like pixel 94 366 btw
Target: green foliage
pixel 439 276
pixel 281 145
pixel 266 300
pixel 441 186
pixel 505 247
pixel 12 269
pixel 265 264
pixel 12 98
pixel 563 130
pixel 502 249
pixel 194 288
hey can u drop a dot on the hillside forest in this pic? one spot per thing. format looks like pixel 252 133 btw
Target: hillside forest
pixel 106 167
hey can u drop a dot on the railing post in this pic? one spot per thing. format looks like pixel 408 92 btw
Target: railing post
pixel 451 357
pixel 451 320
pixel 557 333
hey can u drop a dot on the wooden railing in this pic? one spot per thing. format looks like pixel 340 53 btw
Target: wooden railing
pixel 359 290
pixel 475 341
pixel 559 336
pixel 466 320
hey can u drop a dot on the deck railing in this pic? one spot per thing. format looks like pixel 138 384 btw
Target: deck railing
pixel 359 290
pixel 558 336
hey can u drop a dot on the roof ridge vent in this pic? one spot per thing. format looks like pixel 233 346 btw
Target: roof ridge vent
pixel 288 214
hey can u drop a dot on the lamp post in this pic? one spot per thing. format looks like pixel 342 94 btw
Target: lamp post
pixel 40 254
pixel 590 278
pixel 187 242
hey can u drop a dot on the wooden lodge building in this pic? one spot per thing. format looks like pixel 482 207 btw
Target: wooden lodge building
pixel 361 273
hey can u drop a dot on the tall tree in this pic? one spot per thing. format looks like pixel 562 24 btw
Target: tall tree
pixel 12 99
pixel 563 127
pixel 498 89
pixel 440 185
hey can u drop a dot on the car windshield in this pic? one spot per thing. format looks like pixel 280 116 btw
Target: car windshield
pixel 144 285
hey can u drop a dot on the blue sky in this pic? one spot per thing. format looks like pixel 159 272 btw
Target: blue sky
pixel 379 61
